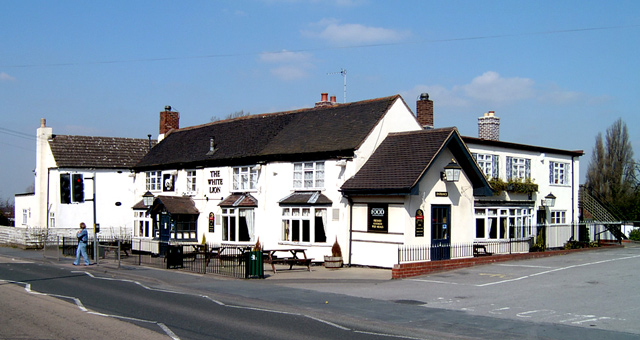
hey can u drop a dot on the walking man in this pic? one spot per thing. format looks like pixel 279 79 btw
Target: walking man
pixel 83 239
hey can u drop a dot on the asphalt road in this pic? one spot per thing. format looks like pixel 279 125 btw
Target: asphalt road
pixel 587 295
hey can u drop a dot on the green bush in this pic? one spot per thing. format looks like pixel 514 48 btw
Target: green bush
pixel 635 234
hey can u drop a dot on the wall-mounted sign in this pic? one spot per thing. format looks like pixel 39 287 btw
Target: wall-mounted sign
pixel 211 222
pixel 214 181
pixel 378 218
pixel 419 223
pixel 442 194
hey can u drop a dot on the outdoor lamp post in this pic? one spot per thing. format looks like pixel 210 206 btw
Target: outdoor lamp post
pixel 451 172
pixel 147 199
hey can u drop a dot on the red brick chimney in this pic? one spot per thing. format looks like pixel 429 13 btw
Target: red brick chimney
pixel 424 111
pixel 169 120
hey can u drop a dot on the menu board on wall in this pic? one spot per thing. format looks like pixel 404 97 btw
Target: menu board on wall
pixel 378 218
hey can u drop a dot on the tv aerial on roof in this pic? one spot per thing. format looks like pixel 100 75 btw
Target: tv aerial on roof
pixel 343 72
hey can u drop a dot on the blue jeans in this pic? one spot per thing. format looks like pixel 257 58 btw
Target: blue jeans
pixel 82 250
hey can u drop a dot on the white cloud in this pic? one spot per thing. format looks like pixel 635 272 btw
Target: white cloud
pixel 290 65
pixel 336 33
pixel 4 76
pixel 491 87
pixel 492 90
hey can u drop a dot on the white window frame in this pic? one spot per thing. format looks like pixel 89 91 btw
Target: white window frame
pixel 518 168
pixel 153 180
pixel 303 215
pixel 192 178
pixel 25 216
pixel 558 217
pixel 509 223
pixel 309 175
pixel 231 219
pixel 245 178
pixel 485 162
pixel 142 226
pixel 558 173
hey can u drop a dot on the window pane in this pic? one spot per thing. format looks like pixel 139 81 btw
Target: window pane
pixel 479 227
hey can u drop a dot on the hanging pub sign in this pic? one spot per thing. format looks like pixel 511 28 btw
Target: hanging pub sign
pixel 378 218
pixel 168 181
pixel 419 223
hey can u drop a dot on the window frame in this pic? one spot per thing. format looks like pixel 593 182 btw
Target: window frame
pixel 315 235
pixel 245 178
pixel 518 168
pixel 504 223
pixel 309 175
pixel 233 214
pixel 558 173
pixel 558 217
pixel 153 181
pixel 192 178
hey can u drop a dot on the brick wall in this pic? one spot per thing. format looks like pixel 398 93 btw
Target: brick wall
pixel 406 270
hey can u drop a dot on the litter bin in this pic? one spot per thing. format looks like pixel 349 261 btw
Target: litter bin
pixel 174 257
pixel 254 265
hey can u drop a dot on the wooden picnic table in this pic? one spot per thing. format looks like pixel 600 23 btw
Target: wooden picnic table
pixel 291 257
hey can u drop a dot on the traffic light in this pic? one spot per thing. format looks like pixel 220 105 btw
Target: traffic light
pixel 77 188
pixel 65 189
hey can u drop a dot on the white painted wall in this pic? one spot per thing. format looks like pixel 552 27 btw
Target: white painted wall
pixel 275 182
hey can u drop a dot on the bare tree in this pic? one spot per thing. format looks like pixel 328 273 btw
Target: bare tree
pixel 612 171
pixel 236 114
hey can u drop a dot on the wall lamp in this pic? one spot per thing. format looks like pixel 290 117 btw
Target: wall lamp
pixel 549 201
pixel 451 172
pixel 147 199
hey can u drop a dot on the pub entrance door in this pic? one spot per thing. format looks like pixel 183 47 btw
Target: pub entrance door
pixel 440 232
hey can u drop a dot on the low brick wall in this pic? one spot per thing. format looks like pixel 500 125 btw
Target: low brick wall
pixel 406 270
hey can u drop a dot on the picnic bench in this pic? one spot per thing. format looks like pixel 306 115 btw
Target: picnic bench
pixel 480 250
pixel 291 260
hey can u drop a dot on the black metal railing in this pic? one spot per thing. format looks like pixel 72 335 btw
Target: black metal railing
pixel 417 253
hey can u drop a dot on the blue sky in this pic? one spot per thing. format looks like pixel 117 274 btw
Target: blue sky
pixel 555 72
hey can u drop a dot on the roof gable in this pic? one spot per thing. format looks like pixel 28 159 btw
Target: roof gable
pixel 402 159
pixel 97 152
pixel 320 132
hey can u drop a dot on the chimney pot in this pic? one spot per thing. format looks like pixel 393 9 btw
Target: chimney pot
pixel 43 122
pixel 325 97
pixel 333 99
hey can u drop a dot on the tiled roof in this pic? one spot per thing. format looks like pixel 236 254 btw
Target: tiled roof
pixel 239 200
pixel 313 133
pixel 399 161
pixel 402 159
pixel 97 152
pixel 306 198
pixel 177 205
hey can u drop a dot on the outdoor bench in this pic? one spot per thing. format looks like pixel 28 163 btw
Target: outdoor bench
pixel 480 250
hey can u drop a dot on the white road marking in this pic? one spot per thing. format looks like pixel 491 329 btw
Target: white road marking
pixel 556 270
pixel 433 281
pixel 175 337
pixel 523 266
